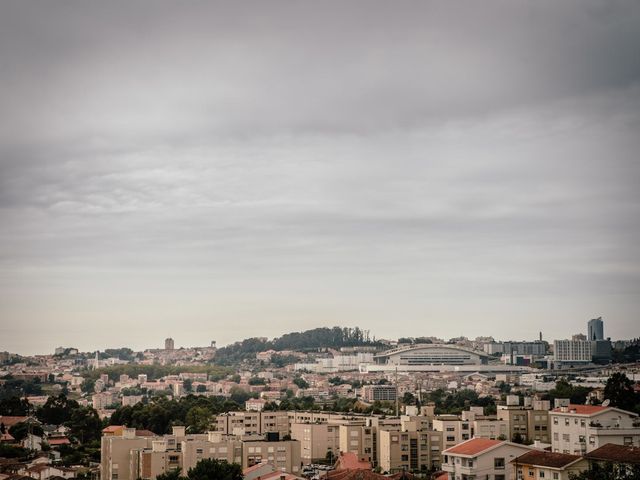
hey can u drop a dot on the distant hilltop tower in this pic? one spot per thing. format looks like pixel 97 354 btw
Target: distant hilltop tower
pixel 168 344
pixel 595 329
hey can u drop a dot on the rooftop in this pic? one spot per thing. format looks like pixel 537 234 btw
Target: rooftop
pixel 616 453
pixel 542 458
pixel 581 409
pixel 473 446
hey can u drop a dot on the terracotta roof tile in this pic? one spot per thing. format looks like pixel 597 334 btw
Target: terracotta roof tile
pixel 616 453
pixel 581 409
pixel 473 446
pixel 542 458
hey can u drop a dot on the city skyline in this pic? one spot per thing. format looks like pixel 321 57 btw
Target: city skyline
pixel 228 171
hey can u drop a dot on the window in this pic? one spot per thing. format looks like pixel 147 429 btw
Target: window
pixel 498 463
pixel 555 420
pixel 582 423
pixel 628 441
pixel 566 422
pixel 199 450
pixel 499 477
pixel 531 473
pixel 451 439
pixel 541 474
pixel 556 475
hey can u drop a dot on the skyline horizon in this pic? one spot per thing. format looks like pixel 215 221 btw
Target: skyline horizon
pixel 137 347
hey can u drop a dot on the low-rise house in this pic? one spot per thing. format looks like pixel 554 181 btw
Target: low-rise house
pixel 482 458
pixel 539 464
pixel 616 459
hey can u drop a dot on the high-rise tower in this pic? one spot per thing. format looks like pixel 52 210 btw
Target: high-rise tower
pixel 595 329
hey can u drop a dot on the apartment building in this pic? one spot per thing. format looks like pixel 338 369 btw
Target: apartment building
pixel 358 439
pixel 115 452
pixel 212 445
pixel 482 458
pixel 578 429
pixel 571 352
pixel 127 456
pixel 527 423
pixel 316 440
pixel 373 393
pixel 252 423
pixel 539 464
pixel 284 455
pixel 454 429
pixel 409 450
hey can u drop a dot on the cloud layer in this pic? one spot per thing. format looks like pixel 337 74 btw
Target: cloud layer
pixel 219 171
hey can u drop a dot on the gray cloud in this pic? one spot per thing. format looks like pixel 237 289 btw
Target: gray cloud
pixel 290 164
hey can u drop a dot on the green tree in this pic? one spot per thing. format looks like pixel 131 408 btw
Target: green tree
pixel 210 469
pixel 619 391
pixel 14 406
pixel 85 424
pixel 170 475
pixel 88 385
pixel 20 430
pixel 301 382
pixel 199 419
pixel 57 410
pixel 608 471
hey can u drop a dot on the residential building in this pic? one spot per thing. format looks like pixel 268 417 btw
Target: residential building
pixel 169 344
pixel 578 429
pixel 252 423
pixel 623 460
pixel 316 441
pixel 454 430
pixel 543 465
pixel 359 440
pixel 482 458
pixel 409 450
pixel 571 352
pixel 127 455
pixel 372 393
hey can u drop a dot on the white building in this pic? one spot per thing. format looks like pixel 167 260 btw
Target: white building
pixel 578 429
pixel 481 458
pixel 572 351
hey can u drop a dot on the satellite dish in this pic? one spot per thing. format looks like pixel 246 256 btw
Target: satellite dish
pixel 606 403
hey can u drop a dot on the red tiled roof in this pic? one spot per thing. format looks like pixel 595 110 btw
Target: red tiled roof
pixel 581 409
pixel 443 476
pixel 542 458
pixel 59 441
pixel 616 453
pixel 6 437
pixel 354 475
pixel 278 475
pixel 350 461
pixel 11 420
pixel 473 446
pixel 145 433
pixel 257 466
pixel 112 428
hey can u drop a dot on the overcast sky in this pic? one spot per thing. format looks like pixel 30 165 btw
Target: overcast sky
pixel 215 171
